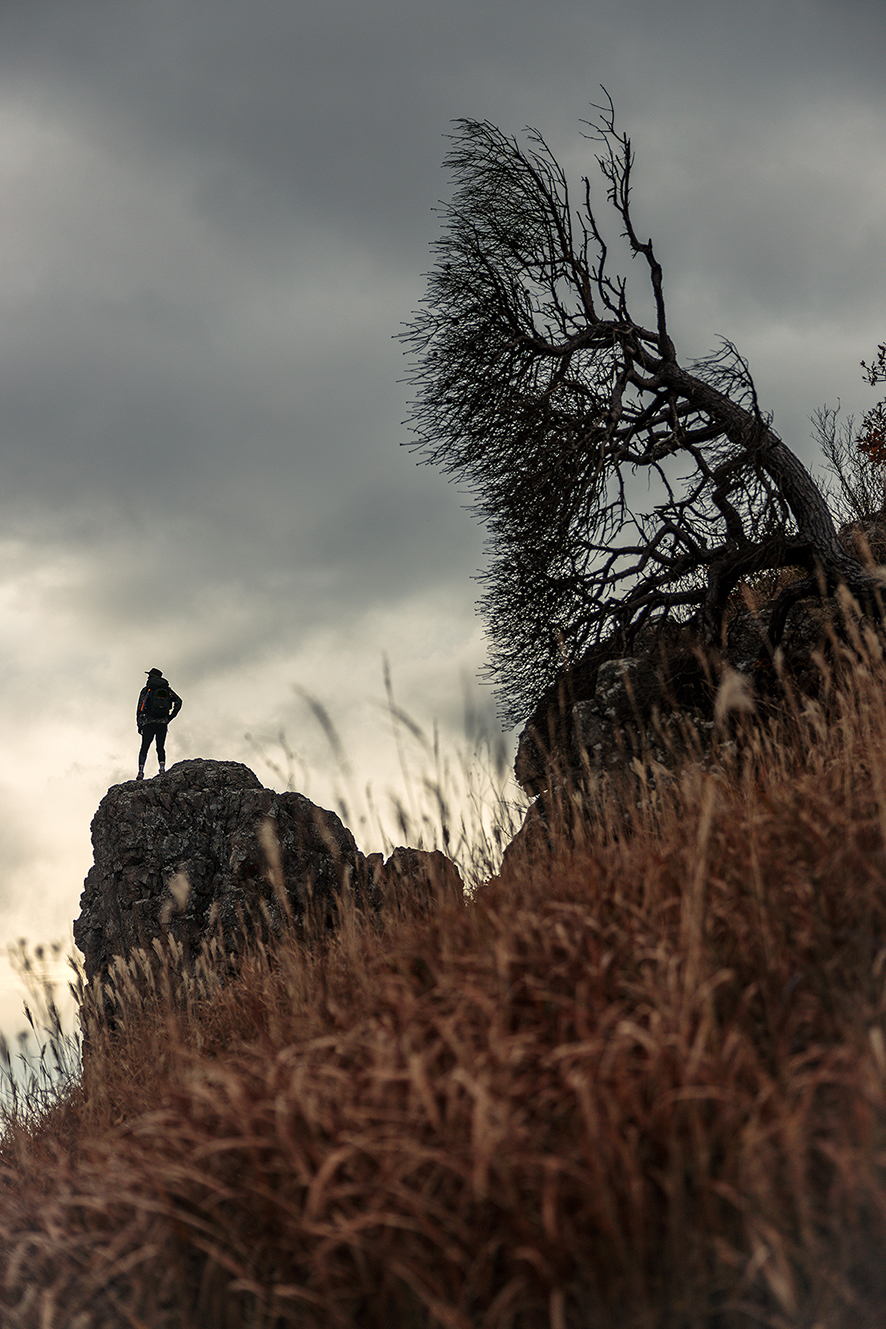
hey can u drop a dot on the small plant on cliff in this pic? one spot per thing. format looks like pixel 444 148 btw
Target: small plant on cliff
pixel 856 456
pixel 873 425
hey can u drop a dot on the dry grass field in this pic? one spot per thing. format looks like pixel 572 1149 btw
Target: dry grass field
pixel 637 1083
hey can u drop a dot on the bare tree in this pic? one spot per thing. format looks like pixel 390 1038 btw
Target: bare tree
pixel 619 489
pixel 857 494
pixel 856 457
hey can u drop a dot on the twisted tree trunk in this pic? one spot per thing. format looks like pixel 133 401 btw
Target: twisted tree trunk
pixel 817 545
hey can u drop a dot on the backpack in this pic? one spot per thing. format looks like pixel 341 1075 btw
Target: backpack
pixel 157 703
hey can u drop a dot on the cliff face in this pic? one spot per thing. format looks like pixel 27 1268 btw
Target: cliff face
pixel 604 713
pixel 206 846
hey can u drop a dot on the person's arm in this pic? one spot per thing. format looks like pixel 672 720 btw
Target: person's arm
pixel 176 705
pixel 138 709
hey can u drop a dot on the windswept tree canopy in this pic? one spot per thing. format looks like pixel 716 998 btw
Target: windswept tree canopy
pixel 618 488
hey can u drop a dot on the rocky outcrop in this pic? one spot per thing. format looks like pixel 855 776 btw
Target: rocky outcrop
pixel 608 710
pixel 207 849
pixel 426 878
pixel 592 722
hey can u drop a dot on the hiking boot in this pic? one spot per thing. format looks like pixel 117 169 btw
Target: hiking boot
pixel 141 775
pixel 162 770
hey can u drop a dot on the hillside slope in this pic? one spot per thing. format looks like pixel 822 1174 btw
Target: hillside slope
pixel 638 1083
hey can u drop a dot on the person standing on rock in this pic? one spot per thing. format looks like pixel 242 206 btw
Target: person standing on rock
pixel 157 706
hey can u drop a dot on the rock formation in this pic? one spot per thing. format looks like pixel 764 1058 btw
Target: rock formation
pixel 206 847
pixel 598 720
pixel 410 876
pixel 609 709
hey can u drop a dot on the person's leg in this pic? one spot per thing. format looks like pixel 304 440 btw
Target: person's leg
pixel 147 737
pixel 161 746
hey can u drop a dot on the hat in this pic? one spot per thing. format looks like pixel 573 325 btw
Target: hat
pixel 158 672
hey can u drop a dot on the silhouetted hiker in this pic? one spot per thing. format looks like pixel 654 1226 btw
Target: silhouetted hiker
pixel 157 705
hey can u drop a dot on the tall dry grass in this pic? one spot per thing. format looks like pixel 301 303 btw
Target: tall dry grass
pixel 639 1083
pixel 44 1061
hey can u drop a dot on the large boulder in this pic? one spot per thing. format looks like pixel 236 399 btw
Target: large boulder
pixel 599 720
pixel 207 849
pixel 609 709
pixel 420 879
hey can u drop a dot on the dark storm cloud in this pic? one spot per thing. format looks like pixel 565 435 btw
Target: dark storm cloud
pixel 334 112
pixel 289 145
pixel 284 114
pixel 230 211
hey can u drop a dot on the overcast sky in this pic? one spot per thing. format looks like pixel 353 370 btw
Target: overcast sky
pixel 215 217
